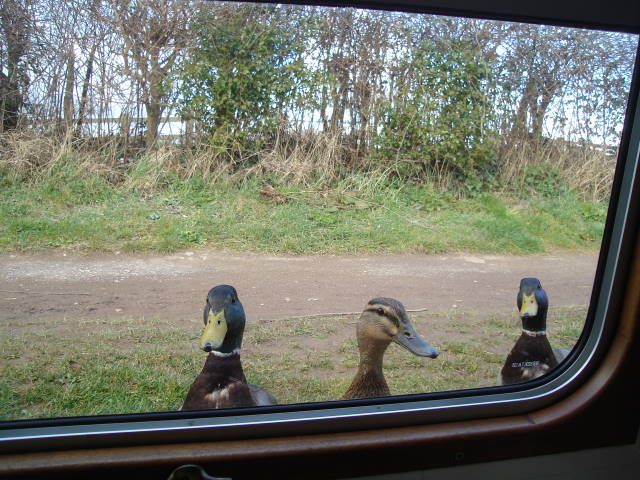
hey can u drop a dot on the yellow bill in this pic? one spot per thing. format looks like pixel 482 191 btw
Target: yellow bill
pixel 214 331
pixel 529 306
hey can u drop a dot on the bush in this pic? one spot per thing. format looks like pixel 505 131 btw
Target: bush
pixel 437 127
pixel 545 179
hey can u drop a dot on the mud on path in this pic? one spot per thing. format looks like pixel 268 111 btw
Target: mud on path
pixel 173 288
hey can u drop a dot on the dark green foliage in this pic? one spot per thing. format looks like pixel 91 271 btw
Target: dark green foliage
pixel 545 179
pixel 438 121
pixel 244 73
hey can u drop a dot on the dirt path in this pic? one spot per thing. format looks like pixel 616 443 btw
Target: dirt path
pixel 173 287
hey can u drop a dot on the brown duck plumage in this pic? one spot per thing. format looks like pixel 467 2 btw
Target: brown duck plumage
pixel 384 320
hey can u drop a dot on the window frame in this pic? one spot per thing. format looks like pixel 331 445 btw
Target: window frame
pixel 576 386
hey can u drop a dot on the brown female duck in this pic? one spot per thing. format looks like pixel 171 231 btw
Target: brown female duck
pixel 222 383
pixel 384 320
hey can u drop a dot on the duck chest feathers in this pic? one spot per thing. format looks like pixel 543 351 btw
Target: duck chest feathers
pixel 216 385
pixel 367 383
pixel 531 357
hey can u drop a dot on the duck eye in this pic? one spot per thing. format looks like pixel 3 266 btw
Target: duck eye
pixel 380 311
pixel 233 300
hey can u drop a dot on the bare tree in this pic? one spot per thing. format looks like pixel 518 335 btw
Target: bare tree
pixel 353 51
pixel 549 66
pixel 154 34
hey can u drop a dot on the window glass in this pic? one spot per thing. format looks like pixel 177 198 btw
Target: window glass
pixel 386 203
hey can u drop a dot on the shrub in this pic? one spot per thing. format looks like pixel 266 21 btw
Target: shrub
pixel 437 126
pixel 545 179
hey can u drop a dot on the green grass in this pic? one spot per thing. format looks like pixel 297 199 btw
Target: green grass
pixel 74 367
pixel 89 376
pixel 79 212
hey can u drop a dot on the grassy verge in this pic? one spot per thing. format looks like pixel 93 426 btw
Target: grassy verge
pixel 83 212
pixel 81 367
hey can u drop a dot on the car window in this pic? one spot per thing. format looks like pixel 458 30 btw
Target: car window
pixel 227 205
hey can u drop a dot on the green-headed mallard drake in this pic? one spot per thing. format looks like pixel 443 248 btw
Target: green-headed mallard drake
pixel 532 355
pixel 222 383
pixel 384 320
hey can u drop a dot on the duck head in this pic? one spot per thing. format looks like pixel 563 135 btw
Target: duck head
pixel 224 320
pixel 532 303
pixel 385 320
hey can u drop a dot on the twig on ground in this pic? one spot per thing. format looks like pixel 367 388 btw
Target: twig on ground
pixel 330 314
pixel 24 292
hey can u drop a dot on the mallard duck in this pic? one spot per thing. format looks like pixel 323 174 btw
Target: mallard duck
pixel 222 383
pixel 384 320
pixel 532 355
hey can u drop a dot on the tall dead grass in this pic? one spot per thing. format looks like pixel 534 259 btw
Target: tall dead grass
pixel 302 158
pixel 155 168
pixel 314 159
pixel 591 174
pixel 36 158
pixel 583 169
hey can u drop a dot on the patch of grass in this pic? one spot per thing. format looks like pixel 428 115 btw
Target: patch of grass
pixel 75 210
pixel 566 323
pixel 146 364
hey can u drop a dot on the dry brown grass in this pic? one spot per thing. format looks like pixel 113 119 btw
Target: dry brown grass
pixel 591 174
pixel 35 158
pixel 585 170
pixel 303 158
pixel 300 158
pixel 153 167
pixel 29 156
